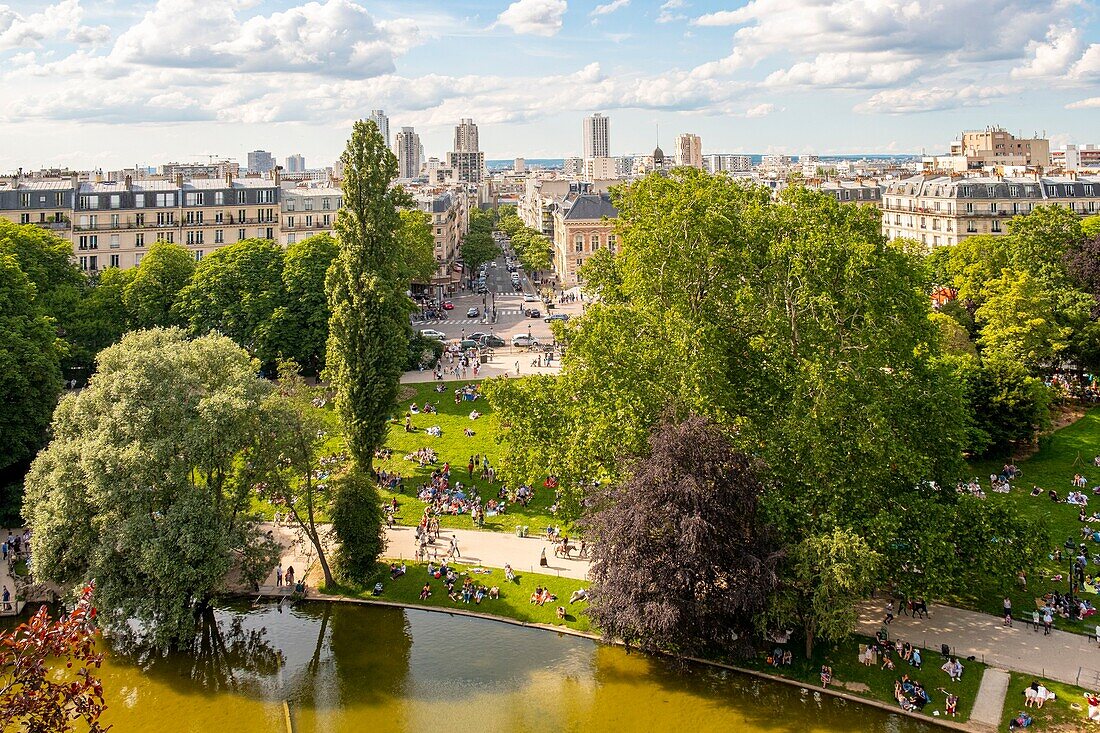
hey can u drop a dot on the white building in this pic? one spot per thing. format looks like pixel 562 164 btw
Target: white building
pixel 597 138
pixel 717 162
pixel 378 117
pixel 574 167
pixel 308 209
pixel 295 163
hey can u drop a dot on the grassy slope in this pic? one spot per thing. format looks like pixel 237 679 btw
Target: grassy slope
pixel 455 447
pixel 1056 714
pixel 1066 452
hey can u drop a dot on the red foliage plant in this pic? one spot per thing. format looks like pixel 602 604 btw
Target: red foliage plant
pixel 37 693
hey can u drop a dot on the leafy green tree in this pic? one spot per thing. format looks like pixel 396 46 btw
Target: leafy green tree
pixel 356 514
pixel 236 290
pixel 1039 241
pixel 101 315
pixel 601 277
pixel 301 322
pixel 537 254
pixel 368 328
pixel 479 247
pixel 1018 322
pixel 824 576
pixel 142 487
pixel 953 337
pixel 416 244
pixel 152 292
pixel 1009 406
pixel 292 458
pixel 29 364
pixel 1090 226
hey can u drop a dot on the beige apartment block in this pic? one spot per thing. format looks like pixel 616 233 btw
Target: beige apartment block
pixel 942 210
pixel 307 211
pixel 583 224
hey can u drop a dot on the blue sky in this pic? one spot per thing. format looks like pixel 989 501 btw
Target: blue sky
pixel 117 82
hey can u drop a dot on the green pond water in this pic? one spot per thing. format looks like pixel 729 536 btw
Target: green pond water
pixel 363 669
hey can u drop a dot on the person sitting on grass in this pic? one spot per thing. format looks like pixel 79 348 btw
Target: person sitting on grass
pixel 468 433
pixel 954 669
pixel 561 612
pixel 479 594
pixel 826 675
pixel 425 591
pixel 509 574
pixel 580 594
pixel 453 594
pixel 494 593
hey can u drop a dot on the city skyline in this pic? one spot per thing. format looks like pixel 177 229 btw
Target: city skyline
pixel 123 83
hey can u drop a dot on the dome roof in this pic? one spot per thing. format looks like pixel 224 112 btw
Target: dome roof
pixel 658 155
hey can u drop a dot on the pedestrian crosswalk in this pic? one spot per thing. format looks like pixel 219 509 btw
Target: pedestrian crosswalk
pixel 448 322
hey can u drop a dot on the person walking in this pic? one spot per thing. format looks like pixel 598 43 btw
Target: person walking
pixel 542 558
pixel 279 576
pixel 7 599
pixel 1007 606
pixel 1048 621
pixel 889 613
pixel 454 547
pixel 288 577
pixel 517 367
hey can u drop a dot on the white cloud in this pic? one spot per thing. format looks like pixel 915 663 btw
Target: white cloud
pixel 611 7
pixel 1053 56
pixel 871 70
pixel 1090 103
pixel 534 17
pixel 1089 63
pixel 62 20
pixel 760 110
pixel 910 100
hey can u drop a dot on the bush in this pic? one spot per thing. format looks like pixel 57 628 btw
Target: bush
pixel 356 514
pixel 423 352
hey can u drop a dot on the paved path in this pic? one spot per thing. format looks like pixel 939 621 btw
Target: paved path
pixel 990 702
pixel 1062 656
pixel 492 549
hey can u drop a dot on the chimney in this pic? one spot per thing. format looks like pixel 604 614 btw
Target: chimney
pixel 179 180
pixel 76 181
pixel 129 183
pixel 99 176
pixel 229 179
pixel 277 174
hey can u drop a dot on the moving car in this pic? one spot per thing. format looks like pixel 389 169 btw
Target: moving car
pixel 473 313
pixel 448 305
pixel 431 333
pixel 533 313
pixel 477 335
pixel 468 344
pixel 529 298
pixel 494 264
pixel 557 317
pixel 522 339
pixel 489 341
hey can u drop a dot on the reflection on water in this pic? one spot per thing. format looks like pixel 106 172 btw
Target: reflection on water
pixel 355 668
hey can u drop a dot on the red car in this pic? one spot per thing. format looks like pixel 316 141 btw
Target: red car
pixel 448 305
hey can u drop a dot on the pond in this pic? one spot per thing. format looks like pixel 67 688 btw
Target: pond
pixel 351 668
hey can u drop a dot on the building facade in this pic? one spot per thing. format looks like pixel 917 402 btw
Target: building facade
pixel 689 150
pixel 942 210
pixel 378 117
pixel 597 136
pixel 406 146
pixel 717 162
pixel 260 161
pixel 306 210
pixel 583 224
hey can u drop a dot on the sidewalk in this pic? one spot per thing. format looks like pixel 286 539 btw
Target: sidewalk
pixel 1062 656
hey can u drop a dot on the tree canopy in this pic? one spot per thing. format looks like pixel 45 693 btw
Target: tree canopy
pixel 142 488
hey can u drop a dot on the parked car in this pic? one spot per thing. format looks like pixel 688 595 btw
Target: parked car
pixel 493 264
pixel 431 333
pixel 448 305
pixel 522 339
pixel 557 317
pixel 489 341
pixel 477 335
pixel 530 298
pixel 473 312
pixel 533 313
pixel 468 344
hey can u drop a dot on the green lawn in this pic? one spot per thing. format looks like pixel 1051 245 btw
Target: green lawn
pixel 1055 715
pixel 457 448
pixel 844 659
pixel 1063 453
pixel 514 601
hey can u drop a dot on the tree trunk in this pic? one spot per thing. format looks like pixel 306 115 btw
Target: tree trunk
pixel 809 627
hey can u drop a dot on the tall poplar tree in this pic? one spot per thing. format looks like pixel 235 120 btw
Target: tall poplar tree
pixel 368 328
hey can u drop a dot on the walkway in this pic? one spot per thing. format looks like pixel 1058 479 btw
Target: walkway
pixel 491 549
pixel 1062 656
pixel 990 702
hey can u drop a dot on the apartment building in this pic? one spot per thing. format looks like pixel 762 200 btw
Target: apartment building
pixel 112 224
pixel 1076 157
pixel 993 147
pixel 716 162
pixel 942 210
pixel 689 150
pixel 583 223
pixel 307 210
pixel 597 136
pixel 853 192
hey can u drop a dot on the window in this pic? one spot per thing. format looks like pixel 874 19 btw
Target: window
pixel 269 233
pixel 194 198
pixel 195 237
pixel 25 200
pixel 1013 190
pixel 327 220
pixel 139 201
pixel 922 226
pixel 991 190
pixel 325 204
pixel 219 198
pixel 579 263
pixel 993 208
pixel 1088 189
pixel 115 260
pixel 114 241
pixel 116 201
pixel 308 204
pixel 219 236
pixel 309 220
pixel 241 197
pixel 1052 190
pixel 964 190
pixel 971 227
pixel 198 255
pixel 996 226
pixel 137 258
pixel 267 196
pixel 969 208
pixel 89 202
pixel 578 243
pixel 1015 208
pixel 88 241
pixel 291 238
pixel 166 218
pixel 1092 206
pixel 166 199
pixel 595 242
pixel 241 215
pixel 240 234
pixel 139 239
pixel 59 199
pixel 194 217
pixel 290 222
pixel 290 204
pixel 24 218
